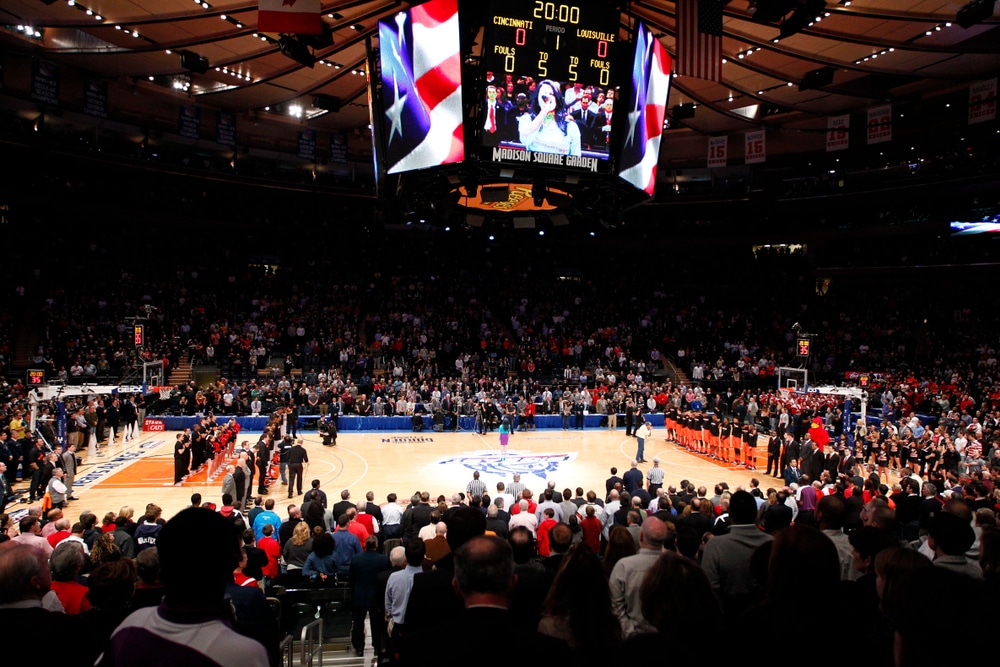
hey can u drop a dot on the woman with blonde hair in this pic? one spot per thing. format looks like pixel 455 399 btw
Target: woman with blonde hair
pixel 297 549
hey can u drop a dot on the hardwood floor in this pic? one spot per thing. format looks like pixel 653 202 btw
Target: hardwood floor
pixel 141 471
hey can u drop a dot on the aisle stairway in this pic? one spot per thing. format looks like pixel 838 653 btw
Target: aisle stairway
pixel 183 372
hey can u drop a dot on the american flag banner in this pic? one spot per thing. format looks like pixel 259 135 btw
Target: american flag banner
pixel 650 87
pixel 422 86
pixel 699 39
pixel 299 17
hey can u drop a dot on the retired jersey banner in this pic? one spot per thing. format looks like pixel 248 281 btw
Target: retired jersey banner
pixel 838 132
pixel 982 101
pixel 880 124
pixel 298 17
pixel 755 150
pixel 718 151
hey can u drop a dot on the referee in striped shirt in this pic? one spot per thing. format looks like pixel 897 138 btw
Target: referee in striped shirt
pixel 655 477
pixel 476 487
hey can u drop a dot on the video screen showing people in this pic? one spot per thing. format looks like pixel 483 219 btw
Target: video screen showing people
pixel 547 116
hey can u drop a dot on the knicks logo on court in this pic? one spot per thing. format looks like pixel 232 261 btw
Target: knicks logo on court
pixel 490 463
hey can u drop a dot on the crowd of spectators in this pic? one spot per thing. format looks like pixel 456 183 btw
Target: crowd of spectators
pixel 640 567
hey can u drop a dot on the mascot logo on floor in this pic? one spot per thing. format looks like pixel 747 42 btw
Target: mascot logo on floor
pixel 540 465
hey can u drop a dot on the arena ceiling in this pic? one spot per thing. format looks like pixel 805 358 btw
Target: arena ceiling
pixel 877 50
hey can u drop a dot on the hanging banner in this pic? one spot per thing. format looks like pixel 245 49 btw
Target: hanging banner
pixel 45 82
pixel 189 122
pixel 755 151
pixel 718 151
pixel 307 145
pixel 982 101
pixel 880 124
pixel 338 147
pixel 95 98
pixel 838 132
pixel 225 129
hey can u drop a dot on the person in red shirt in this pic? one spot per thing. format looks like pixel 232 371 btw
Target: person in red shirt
pixel 544 543
pixel 592 527
pixel 270 547
pixel 532 505
pixel 356 528
pixel 367 520
pixel 60 533
pixel 66 563
pixel 239 576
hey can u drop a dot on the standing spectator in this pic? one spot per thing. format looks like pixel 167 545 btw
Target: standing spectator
pixel 193 580
pixel 364 571
pixel 626 578
pixel 726 558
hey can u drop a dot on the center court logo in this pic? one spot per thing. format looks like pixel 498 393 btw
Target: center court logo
pixel 540 465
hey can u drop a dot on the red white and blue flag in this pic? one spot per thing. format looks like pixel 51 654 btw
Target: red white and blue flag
pixel 299 17
pixel 421 63
pixel 651 87
pixel 699 39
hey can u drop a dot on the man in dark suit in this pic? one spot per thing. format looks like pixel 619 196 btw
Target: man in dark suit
pixel 831 463
pixel 774 454
pixel 610 483
pixel 344 504
pixel 633 478
pixel 433 597
pixel 372 508
pixel 263 459
pixel 811 460
pixel 585 116
pixel 365 568
pixel 792 472
pixel 484 578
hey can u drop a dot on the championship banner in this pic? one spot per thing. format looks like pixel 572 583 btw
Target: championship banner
pixel 838 133
pixel 189 122
pixel 718 151
pixel 982 101
pixel 880 124
pixel 45 82
pixel 225 129
pixel 307 145
pixel 755 151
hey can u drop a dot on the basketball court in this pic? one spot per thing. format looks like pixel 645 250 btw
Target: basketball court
pixel 141 471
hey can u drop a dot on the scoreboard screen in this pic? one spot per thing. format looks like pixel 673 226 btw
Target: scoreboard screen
pixel 550 91
pixel 803 346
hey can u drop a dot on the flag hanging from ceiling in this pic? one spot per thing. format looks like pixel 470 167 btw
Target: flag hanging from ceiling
pixel 699 39
pixel 650 87
pixel 299 17
pixel 421 62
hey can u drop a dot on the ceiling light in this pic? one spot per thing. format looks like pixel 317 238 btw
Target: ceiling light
pixel 223 17
pixel 98 17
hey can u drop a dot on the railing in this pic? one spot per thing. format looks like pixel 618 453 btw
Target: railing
pixel 311 641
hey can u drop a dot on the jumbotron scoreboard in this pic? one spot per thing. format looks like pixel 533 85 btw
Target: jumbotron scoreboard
pixel 568 43
pixel 573 45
